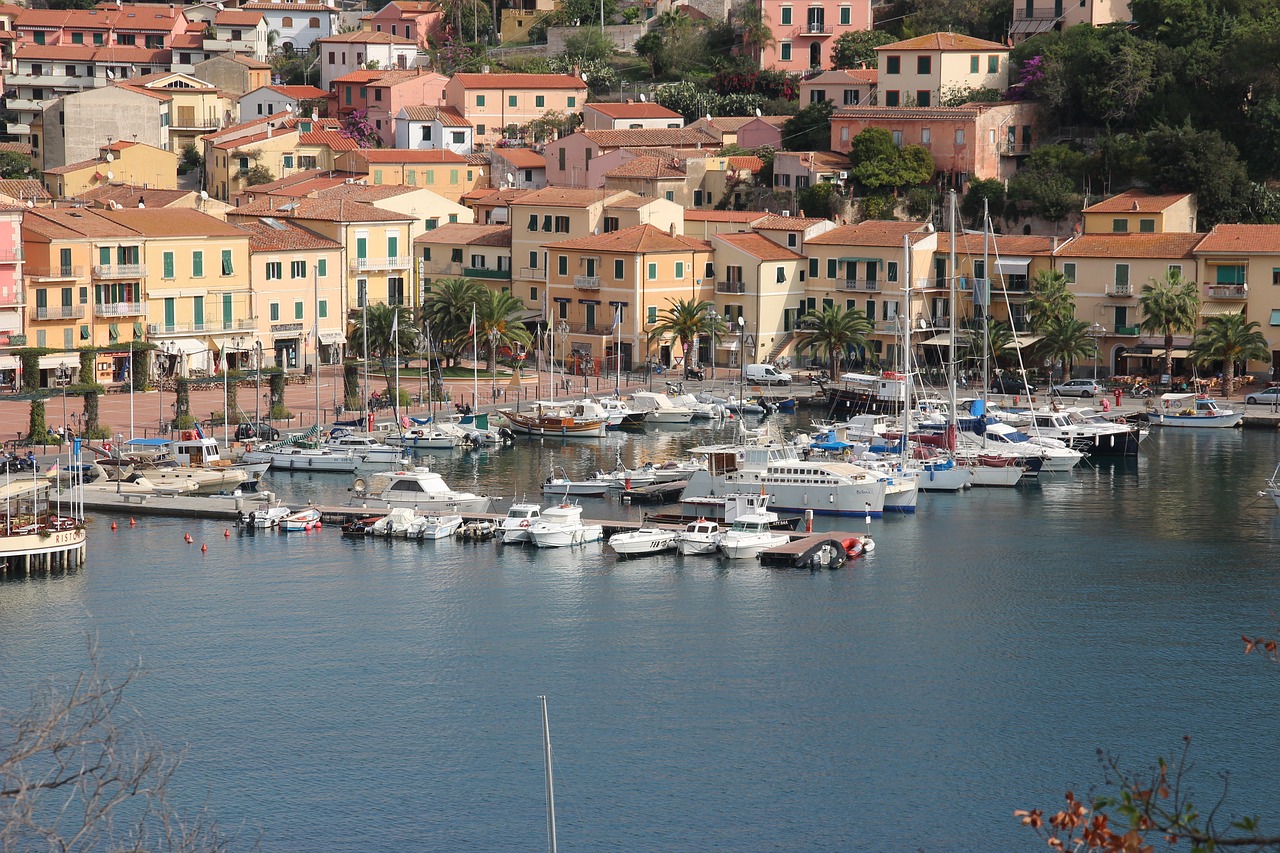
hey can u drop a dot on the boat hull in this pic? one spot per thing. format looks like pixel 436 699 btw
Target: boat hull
pixel 636 545
pixel 546 536
pixel 556 426
pixel 1223 421
pixel 441 527
pixel 701 547
pixel 749 548
pixel 437 505
pixel 306 462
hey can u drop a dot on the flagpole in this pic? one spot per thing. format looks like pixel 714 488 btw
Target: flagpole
pixel 395 333
pixel 475 361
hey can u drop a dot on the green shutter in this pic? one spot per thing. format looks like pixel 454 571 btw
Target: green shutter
pixel 322 267
pixel 813 268
pixel 393 246
pixel 226 311
pixel 832 267
pixel 104 256
pixel 197 310
pixel 226 262
pixel 168 265
pixel 362 248
pixel 323 310
pixel 653 272
pixel 197 264
pixel 619 270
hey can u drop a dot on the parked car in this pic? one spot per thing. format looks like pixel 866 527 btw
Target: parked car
pixel 261 431
pixel 1265 395
pixel 1080 388
pixel 1006 384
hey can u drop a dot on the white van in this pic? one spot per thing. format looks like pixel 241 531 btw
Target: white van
pixel 766 374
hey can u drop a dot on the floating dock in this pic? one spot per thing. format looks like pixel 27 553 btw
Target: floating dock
pixel 811 550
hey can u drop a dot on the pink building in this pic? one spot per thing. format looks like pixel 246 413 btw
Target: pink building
pixel 582 159
pixel 383 93
pixel 803 33
pixel 412 19
pixel 11 314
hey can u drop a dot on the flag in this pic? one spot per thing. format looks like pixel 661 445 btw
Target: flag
pixel 617 318
pixel 199 431
pixel 53 469
pixel 395 324
pixel 471 330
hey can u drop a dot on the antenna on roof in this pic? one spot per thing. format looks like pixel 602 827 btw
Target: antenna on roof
pixel 511 179
pixel 288 108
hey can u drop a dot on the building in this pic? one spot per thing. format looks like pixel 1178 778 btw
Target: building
pixel 687 178
pixel 796 170
pixel 132 25
pixel 231 152
pixel 76 127
pixel 297 283
pixel 583 159
pixel 347 52
pixel 702 224
pixel 237 31
pixel 382 94
pixel 977 140
pixel 1233 257
pixel 522 168
pixel 12 325
pixel 724 129
pixel 761 282
pixel 269 100
pixel 1031 18
pixel 929 70
pixel 843 87
pixel 234 74
pixel 803 35
pixel 761 131
pixel 298 22
pixel 1138 211
pixel 414 19
pixel 196 107
pixel 478 252
pixel 126 162
pixel 629 115
pixel 517 16
pixel 442 172
pixel 497 103
pixel 434 127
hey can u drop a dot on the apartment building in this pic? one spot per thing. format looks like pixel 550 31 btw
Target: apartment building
pixel 629 115
pixel 851 87
pixel 383 94
pixel 762 283
pixel 118 163
pixel 443 172
pixel 298 22
pixel 1230 259
pixel 924 71
pixel 803 35
pixel 583 159
pixel 496 103
pixel 417 20
pixel 1032 18
pixel 428 127
pixel 1142 212
pixel 344 53
pixel 478 252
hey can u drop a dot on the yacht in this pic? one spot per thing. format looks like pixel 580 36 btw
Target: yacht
pixel 1054 454
pixel 621 415
pixel 299 457
pixel 366 447
pixel 418 488
pixel 658 409
pixel 751 533
pixel 514 528
pixel 561 526
pixel 1086 431
pixel 699 537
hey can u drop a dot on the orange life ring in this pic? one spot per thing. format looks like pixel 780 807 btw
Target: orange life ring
pixel 1121 421
pixel 524 523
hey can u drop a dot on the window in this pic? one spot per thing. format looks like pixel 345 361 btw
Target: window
pixel 197 264
pixel 562 309
pixel 573 102
pixel 619 269
pixel 1122 275
pixel 479 100
pixel 297 310
pixel 562 264
pixel 322 267
pixel 322 309
pixel 97 39
pixel 922 98
pixel 455 256
pixel 1147 226
pixel 1119 226
pixel 890 98
pixel 479 130
pixel 897 138
pixel 679 269
pixel 653 272
pixel 1275 316
pixel 539 101
pixel 286 21
pixel 562 225
pixel 479 262
pixel 924 64
pixel 348 88
pixel 77 38
pixel 975 64
pixel 314 23
pixel 393 246
pixel 546 223
pixel 533 260
pixel 377 177
pixel 533 222
pixel 792 240
pixel 288 161
pixel 39 37
pixel 1069 272
pixel 275 271
pixel 671 196
pixel 364 93
pixel 511 100
pixel 651 315
pixel 125 39
pixel 846 15
pixel 960 137
pixel 533 294
pixel 168 264
pixel 610 224
pixel 786 16
pixel 377 94
pixel 411 177
pixel 832 267
pixel 697 198
pixel 298 269
pixel 993 64
pixel 453 176
pixel 782 275
pixel 226 262
pixel 275 311
pixel 891 270
pixel 893 65
pixel 851 97
pixel 926 136
pixel 785 48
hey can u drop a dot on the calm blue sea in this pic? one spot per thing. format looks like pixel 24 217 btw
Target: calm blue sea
pixel 372 696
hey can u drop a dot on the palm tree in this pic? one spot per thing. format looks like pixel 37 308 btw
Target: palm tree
pixel 832 331
pixel 380 320
pixel 498 322
pixel 685 320
pixel 1050 300
pixel 1066 339
pixel 448 311
pixel 749 21
pixel 674 19
pixel 1000 340
pixel 1168 307
pixel 1231 339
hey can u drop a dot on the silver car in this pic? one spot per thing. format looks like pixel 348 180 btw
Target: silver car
pixel 1080 388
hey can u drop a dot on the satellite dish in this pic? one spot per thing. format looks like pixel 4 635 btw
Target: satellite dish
pixel 110 76
pixel 511 179
pixel 288 108
pixel 110 156
pixel 30 203
pixel 758 113
pixel 583 77
pixel 204 196
pixel 111 176
pixel 220 7
pixel 643 97
pixel 708 116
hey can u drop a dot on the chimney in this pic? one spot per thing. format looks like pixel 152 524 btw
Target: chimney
pixel 671 229
pixel 1053 245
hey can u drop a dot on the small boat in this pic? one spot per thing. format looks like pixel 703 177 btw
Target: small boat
pixel 561 526
pixel 440 526
pixel 1194 411
pixel 624 478
pixel 360 526
pixel 752 533
pixel 698 538
pixel 658 409
pixel 857 546
pixel 401 521
pixel 515 526
pixel 267 516
pixel 303 519
pixel 367 448
pixel 646 540
pixel 566 420
pixel 428 437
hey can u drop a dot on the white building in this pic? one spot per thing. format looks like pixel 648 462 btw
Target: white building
pixel 521 168
pixel 269 100
pixel 347 52
pixel 434 127
pixel 299 24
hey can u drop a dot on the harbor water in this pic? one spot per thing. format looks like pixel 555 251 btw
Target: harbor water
pixel 358 695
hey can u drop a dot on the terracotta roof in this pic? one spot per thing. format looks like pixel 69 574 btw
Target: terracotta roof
pixel 326 176
pixel 1130 246
pixel 171 222
pixel 76 167
pixel 193 40
pixel 1137 201
pixel 747 216
pixel 520 81
pixel 634 110
pixel 24 188
pixel 630 201
pixel 773 222
pixel 299 93
pixel 360 75
pixel 92 53
pixel 826 160
pixel 325 210
pixel 79 52
pixel 248 61
pixel 761 247
pixel 250 139
pixel 71 223
pixel 750 162
pixel 873 232
pixel 16 148
pixel 413 6
pixel 127 196
pixel 477 159
pixel 331 139
pixel 289 7
pixel 237 18
pixel 468 235
pixel 647 138
pixel 844 76
pixel 131 17
pixel 567 197
pixel 360 36
pixel 649 168
pixel 732 124
pixel 447 116
pixel 1261 239
pixel 970 243
pixel 275 235
pixel 636 239
pixel 521 158
pixel 363 192
pixel 944 41
pixel 488 195
pixel 410 155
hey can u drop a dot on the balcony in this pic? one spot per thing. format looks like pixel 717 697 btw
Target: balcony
pixel 481 272
pixel 119 309
pixel 530 272
pixel 1128 331
pixel 1014 284
pixel 60 312
pixel 1118 289
pixel 10 256
pixel 224 45
pixel 1227 291
pixel 12 298
pixel 1038 13
pixel 1013 149
pixel 119 270
pixel 54 273
pixel 380 264
pixel 214 327
pixel 586 282
pixel 731 287
pixel 869 284
pixel 816 28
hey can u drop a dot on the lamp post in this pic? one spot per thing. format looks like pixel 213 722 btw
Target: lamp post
pixel 257 402
pixel 742 355
pixel 493 357
pixel 563 328
pixel 713 318
pixel 63 375
pixel 1096 331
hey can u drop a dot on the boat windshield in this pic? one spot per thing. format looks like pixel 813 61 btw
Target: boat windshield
pixel 749 526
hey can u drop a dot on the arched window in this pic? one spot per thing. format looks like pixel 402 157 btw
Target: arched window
pixel 815 55
pixel 286 22
pixel 314 23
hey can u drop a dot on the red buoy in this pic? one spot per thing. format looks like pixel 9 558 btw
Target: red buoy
pixel 204 549
pixel 133 523
pixel 113 525
pixel 187 538
pixel 226 533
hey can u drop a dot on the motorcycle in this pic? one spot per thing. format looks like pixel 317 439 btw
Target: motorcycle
pixel 1140 392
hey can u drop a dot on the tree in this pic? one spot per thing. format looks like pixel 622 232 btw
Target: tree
pixel 448 313
pixel 686 319
pixel 1182 159
pixel 877 163
pixel 1050 301
pixel 588 43
pixel 833 332
pixel 14 165
pixel 258 174
pixel 385 324
pixel 1065 340
pixel 1230 339
pixel 957 96
pixel 858 48
pixel 989 190
pixel 1050 195
pixel 1168 307
pixel 748 22
pixel 357 127
pixel 820 199
pixel 498 322
pixel 37 427
pixel 809 129
pixel 649 47
pixel 587 12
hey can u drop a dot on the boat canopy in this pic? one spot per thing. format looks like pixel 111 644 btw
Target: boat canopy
pixel 1177 398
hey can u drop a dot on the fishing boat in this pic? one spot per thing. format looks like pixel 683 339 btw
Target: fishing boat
pixel 265 517
pixel 303 519
pixel 593 488
pixel 440 526
pixel 514 527
pixel 360 526
pixel 1192 411
pixel 567 420
pixel 418 488
pixel 699 537
pixel 401 521
pixel 561 526
pixel 646 540
pixel 751 533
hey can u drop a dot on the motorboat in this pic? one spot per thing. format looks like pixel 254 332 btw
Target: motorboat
pixel 265 517
pixel 658 408
pixel 751 533
pixel 304 457
pixel 360 526
pixel 625 478
pixel 1054 454
pixel 401 521
pixel 593 488
pixel 1084 430
pixel 514 527
pixel 699 537
pixel 701 411
pixel 366 447
pixel 440 526
pixel 582 419
pixel 302 520
pixel 646 540
pixel 192 449
pixel 428 437
pixel 419 488
pixel 561 526
pixel 673 471
pixel 477 431
pixel 621 415
pixel 1191 411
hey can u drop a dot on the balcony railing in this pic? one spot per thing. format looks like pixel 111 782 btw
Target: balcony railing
pixel 586 282
pixel 1227 291
pixel 10 256
pixel 1128 331
pixel 55 272
pixel 481 272
pixel 813 28
pixel 1013 284
pixel 60 312
pixel 119 270
pixel 861 284
pixel 1037 13
pixel 1118 289
pixel 12 298
pixel 376 264
pixel 208 327
pixel 530 272
pixel 1013 149
pixel 731 287
pixel 119 309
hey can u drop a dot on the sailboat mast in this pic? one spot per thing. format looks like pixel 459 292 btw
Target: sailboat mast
pixel 986 296
pixel 951 349
pixel 315 334
pixel 550 781
pixel 906 342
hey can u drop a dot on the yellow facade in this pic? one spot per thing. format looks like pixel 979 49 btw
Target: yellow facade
pixel 450 178
pixel 1139 212
pixel 130 163
pixel 297 293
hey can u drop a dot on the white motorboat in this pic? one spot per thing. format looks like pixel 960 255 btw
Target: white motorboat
pixel 593 488
pixel 514 528
pixel 400 521
pixel 366 447
pixel 701 411
pixel 621 415
pixel 1084 430
pixel 1192 411
pixel 1054 454
pixel 267 516
pixel 418 488
pixel 193 450
pixel 699 537
pixel 430 437
pixel 440 526
pixel 751 533
pixel 625 478
pixel 646 540
pixel 674 471
pixel 477 431
pixel 302 457
pixel 561 526
pixel 303 519
pixel 658 409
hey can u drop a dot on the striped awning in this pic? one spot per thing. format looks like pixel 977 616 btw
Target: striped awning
pixel 1178 353
pixel 1217 309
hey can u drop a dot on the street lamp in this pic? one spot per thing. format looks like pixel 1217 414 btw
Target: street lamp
pixel 742 354
pixel 563 329
pixel 1096 331
pixel 493 357
pixel 713 318
pixel 63 375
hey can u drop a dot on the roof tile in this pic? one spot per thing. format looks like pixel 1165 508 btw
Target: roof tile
pixel 1130 246
pixel 759 246
pixel 468 235
pixel 636 239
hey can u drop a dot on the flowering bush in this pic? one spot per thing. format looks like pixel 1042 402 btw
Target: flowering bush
pixel 768 84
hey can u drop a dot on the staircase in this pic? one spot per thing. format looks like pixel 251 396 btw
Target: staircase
pixel 779 347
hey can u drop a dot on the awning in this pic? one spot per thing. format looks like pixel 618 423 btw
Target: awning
pixel 10 362
pixel 331 338
pixel 1217 309
pixel 52 362
pixel 861 260
pixel 943 340
pixel 1178 353
pixel 186 346
pixel 1012 266
pixel 530 314
pixel 1020 342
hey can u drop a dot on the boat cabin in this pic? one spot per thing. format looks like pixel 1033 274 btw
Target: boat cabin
pixel 1189 405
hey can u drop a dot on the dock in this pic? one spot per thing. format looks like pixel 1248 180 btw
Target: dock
pixel 809 550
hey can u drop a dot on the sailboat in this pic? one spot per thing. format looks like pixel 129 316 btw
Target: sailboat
pixel 575 419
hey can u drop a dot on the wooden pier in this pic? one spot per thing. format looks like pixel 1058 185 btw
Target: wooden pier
pixel 805 550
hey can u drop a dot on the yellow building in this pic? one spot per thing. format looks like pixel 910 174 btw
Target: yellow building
pixel 1141 212
pixel 763 283
pixel 1240 269
pixel 479 252
pixel 129 163
pixel 445 173
pixel 633 274
pixel 195 106
pixel 297 282
pixel 283 145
